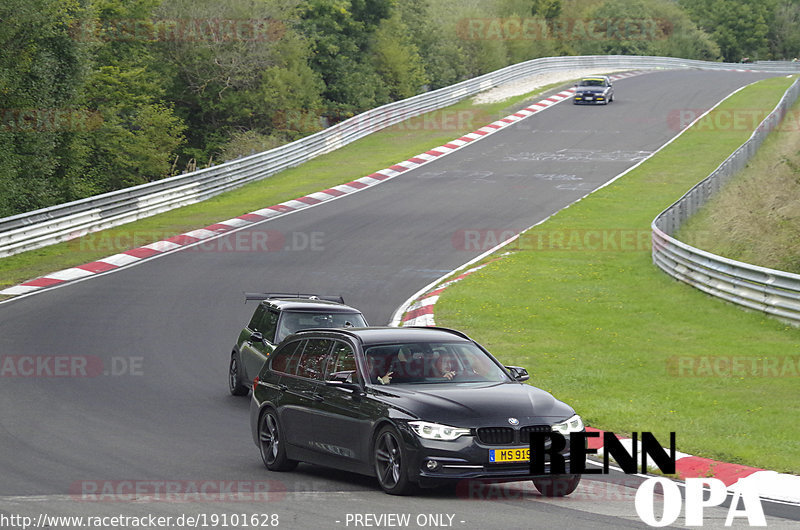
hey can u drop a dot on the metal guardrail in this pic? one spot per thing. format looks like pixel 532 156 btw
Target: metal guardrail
pixel 47 226
pixel 774 292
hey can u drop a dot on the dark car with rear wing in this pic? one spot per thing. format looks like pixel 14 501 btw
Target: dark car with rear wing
pixel 277 316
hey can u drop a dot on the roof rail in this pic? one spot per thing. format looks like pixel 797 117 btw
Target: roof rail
pixel 343 330
pixel 357 337
pixel 440 328
pixel 267 296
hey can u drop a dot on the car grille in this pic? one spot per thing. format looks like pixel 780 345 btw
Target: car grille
pixel 496 435
pixel 525 432
pixel 507 435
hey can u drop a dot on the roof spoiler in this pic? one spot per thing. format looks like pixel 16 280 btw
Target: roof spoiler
pixel 267 296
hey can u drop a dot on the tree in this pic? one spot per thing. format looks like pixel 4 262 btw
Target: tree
pixel 240 77
pixel 547 9
pixel 784 36
pixel 396 59
pixel 138 132
pixel 432 27
pixel 679 36
pixel 739 27
pixel 340 33
pixel 41 71
pixel 138 135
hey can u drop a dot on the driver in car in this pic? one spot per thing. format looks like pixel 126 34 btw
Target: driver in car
pixel 377 366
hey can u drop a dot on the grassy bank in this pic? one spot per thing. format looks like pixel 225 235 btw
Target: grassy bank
pixel 579 303
pixel 756 217
pixel 372 153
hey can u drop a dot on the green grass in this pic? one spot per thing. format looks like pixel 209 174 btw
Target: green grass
pixel 756 217
pixel 372 153
pixel 603 329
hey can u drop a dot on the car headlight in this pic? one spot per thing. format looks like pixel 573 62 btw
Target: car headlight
pixel 574 424
pixel 435 431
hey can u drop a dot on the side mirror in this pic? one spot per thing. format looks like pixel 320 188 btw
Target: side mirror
pixel 518 373
pixel 256 337
pixel 345 376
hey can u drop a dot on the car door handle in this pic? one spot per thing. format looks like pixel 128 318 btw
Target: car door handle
pixel 307 394
pixel 318 398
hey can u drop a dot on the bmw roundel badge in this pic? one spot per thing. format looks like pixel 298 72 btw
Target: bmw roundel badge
pixel 513 421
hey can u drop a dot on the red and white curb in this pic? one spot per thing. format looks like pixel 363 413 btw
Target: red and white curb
pixel 769 484
pixel 136 255
pixel 420 313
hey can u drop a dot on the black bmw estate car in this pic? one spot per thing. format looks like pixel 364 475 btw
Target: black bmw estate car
pixel 411 406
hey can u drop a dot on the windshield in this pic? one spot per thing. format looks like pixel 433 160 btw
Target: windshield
pixel 426 362
pixel 292 321
pixel 592 82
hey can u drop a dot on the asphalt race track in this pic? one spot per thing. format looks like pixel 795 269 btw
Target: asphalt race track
pixel 162 331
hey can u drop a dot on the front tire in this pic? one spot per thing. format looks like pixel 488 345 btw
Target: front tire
pixel 557 486
pixel 270 443
pixel 390 462
pixel 235 379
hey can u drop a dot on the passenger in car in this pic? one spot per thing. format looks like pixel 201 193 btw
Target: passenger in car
pixel 446 366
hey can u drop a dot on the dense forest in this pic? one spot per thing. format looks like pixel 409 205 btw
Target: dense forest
pixel 98 95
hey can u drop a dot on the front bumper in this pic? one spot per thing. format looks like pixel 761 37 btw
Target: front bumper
pixel 589 98
pixel 465 458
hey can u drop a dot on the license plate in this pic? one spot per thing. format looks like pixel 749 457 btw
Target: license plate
pixel 588 98
pixel 523 454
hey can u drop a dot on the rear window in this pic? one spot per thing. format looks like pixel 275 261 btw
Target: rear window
pixel 293 321
pixel 258 315
pixel 267 325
